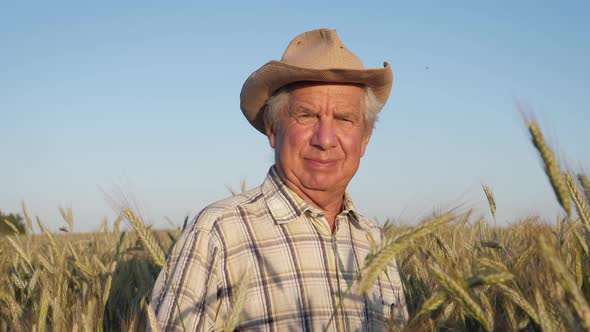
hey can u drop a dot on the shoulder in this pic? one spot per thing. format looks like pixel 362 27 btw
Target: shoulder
pixel 224 210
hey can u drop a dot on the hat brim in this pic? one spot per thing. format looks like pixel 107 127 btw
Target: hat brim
pixel 272 76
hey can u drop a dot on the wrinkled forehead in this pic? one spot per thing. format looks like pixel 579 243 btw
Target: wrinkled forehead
pixel 343 94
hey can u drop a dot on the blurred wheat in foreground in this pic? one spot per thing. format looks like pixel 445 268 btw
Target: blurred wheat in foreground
pixel 459 272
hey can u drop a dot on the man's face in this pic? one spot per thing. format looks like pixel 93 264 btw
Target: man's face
pixel 321 136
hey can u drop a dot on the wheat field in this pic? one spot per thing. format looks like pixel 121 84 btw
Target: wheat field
pixel 459 272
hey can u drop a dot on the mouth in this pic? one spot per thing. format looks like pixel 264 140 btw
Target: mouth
pixel 319 163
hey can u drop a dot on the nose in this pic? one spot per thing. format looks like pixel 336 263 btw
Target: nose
pixel 324 136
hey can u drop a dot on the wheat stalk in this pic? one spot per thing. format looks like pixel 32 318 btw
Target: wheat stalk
pixel 524 258
pixel 43 311
pixel 585 182
pixel 569 284
pixel 551 167
pixel 578 265
pixel 152 321
pixel 583 244
pixel 447 252
pixel 579 202
pixel 454 289
pixel 33 281
pixel 434 302
pixel 46 264
pixel 11 226
pixel 510 315
pixel 107 289
pixel 100 264
pixel 20 252
pixel 17 282
pixel 68 217
pixel 448 310
pixel 390 246
pixel 492 264
pixel 84 268
pixel 490 279
pixel 488 310
pixel 491 201
pixel 28 219
pixel 50 237
pixel 520 301
pixel 147 239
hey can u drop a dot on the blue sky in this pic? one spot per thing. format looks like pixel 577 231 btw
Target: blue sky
pixel 143 97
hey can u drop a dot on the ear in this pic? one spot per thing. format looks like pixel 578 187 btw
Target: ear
pixel 366 138
pixel 269 133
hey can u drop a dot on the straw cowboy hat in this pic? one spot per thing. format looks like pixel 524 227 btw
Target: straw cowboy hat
pixel 317 56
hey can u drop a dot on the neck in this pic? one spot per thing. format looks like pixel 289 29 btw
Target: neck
pixel 329 202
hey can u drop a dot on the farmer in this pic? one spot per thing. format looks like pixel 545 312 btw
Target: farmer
pixel 288 255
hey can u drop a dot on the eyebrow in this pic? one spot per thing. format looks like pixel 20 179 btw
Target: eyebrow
pixel 299 109
pixel 346 114
pixel 339 114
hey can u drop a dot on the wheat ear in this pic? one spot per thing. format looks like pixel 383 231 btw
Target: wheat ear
pixel 585 182
pixel 43 311
pixel 579 202
pixel 68 217
pixel 20 252
pixel 583 244
pixel 152 321
pixel 491 201
pixel 454 289
pixel 147 238
pixel 545 320
pixel 520 301
pixel 524 259
pixel 11 226
pixel 27 217
pixel 492 264
pixel 551 167
pixel 434 302
pixel 569 284
pixel 510 315
pixel 386 251
pixel 491 279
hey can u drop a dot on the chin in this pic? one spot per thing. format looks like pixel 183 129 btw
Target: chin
pixel 321 183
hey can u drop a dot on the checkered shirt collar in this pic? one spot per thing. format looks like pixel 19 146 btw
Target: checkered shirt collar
pixel 286 206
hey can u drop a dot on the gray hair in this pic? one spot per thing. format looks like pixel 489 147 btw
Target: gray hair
pixel 280 100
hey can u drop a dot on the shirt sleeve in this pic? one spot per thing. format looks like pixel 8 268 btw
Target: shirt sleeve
pixel 185 293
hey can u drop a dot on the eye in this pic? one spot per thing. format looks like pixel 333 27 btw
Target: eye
pixel 345 119
pixel 305 117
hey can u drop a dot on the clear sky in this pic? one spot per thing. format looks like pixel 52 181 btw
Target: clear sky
pixel 144 96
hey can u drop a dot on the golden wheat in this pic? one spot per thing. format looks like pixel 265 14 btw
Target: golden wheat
pixel 458 272
pixel 491 201
pixel 585 182
pixel 455 290
pixel 391 245
pixel 579 202
pixel 147 239
pixel 579 303
pixel 551 167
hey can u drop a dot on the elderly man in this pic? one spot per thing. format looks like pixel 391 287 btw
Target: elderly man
pixel 287 255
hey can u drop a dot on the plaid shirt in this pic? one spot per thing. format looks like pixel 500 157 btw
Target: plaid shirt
pixel 296 270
